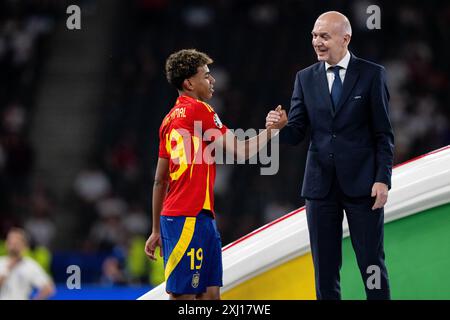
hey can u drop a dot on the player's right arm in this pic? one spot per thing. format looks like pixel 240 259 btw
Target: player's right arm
pixel 159 192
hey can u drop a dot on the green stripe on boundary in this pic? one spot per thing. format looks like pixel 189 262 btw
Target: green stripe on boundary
pixel 417 251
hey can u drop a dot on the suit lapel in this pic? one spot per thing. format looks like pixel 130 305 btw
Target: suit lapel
pixel 351 76
pixel 322 91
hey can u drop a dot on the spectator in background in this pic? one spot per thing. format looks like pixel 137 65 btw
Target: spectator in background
pixel 91 184
pixel 19 275
pixel 112 273
pixel 39 225
pixel 18 154
pixel 109 231
pixel 136 221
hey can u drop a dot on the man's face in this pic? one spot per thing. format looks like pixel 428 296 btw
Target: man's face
pixel 15 244
pixel 202 83
pixel 329 42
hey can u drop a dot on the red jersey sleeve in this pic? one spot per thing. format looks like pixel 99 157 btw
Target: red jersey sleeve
pixel 162 144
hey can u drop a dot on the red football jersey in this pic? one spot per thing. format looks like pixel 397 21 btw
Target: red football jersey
pixel 184 135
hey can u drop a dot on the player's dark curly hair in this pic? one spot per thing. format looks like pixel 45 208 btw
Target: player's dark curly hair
pixel 183 64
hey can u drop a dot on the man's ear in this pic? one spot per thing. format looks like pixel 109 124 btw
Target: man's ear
pixel 187 84
pixel 347 38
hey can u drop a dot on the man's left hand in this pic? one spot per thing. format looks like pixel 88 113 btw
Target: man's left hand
pixel 380 191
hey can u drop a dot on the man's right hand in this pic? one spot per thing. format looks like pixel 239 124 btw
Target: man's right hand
pixel 276 119
pixel 152 243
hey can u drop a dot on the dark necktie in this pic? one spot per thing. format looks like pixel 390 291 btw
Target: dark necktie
pixel 336 88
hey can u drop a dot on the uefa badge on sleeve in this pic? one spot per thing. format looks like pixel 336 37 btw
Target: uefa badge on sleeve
pixel 195 280
pixel 217 121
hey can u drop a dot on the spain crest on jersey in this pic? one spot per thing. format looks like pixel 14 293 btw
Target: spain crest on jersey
pixel 195 280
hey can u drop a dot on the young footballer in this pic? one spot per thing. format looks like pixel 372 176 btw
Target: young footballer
pixel 191 135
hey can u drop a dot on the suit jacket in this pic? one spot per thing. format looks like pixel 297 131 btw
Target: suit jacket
pixel 355 143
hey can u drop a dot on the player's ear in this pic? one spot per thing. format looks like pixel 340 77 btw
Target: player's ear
pixel 187 84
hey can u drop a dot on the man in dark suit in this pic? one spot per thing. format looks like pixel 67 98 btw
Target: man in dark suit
pixel 344 100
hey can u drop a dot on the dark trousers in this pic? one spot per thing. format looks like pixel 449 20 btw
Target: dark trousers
pixel 366 231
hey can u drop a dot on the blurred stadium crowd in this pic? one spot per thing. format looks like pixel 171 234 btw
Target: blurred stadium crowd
pixel 258 46
pixel 24 31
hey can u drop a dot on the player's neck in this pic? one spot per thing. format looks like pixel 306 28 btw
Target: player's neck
pixel 189 94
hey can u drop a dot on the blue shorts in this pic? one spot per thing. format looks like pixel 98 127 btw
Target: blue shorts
pixel 192 252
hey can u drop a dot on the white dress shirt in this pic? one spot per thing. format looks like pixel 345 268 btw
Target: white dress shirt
pixel 343 64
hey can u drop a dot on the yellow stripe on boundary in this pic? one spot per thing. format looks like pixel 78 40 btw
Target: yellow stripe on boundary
pixel 181 246
pixel 292 280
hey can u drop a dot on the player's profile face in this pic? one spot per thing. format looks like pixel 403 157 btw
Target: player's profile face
pixel 203 83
